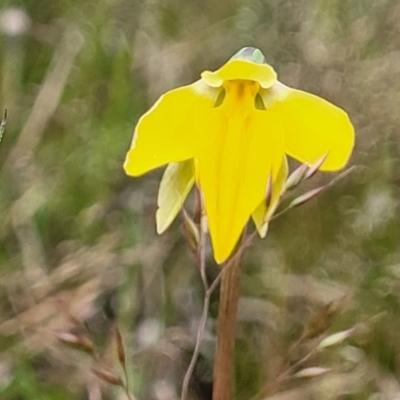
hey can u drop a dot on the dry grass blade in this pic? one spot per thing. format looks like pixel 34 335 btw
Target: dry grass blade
pixel 108 377
pixel 3 124
pixel 120 347
pixel 48 98
pixel 76 341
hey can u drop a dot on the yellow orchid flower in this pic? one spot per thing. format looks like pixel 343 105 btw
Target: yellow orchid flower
pixel 230 132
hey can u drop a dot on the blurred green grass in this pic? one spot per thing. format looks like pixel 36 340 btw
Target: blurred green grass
pixel 75 77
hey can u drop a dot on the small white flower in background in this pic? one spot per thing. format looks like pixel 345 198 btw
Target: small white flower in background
pixel 14 22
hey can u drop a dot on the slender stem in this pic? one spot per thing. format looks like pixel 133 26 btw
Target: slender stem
pixel 128 393
pixel 196 352
pixel 287 373
pixel 202 250
pixel 126 385
pixel 206 304
pixel 224 358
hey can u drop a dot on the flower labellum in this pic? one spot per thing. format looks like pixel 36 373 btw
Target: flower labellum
pixel 229 133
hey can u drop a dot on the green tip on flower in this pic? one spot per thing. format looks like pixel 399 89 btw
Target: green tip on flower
pixel 250 54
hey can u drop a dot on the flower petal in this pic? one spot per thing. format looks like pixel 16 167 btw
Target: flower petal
pixel 313 127
pixel 235 157
pixel 263 213
pixel 166 132
pixel 175 185
pixel 234 69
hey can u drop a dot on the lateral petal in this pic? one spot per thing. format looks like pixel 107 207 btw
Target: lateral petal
pixel 175 185
pixel 166 132
pixel 235 156
pixel 313 127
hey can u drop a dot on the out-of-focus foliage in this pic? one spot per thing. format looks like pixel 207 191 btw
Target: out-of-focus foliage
pixel 78 237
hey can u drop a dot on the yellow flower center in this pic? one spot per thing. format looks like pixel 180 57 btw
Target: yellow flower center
pixel 239 97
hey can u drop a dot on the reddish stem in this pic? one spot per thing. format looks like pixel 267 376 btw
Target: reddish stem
pixel 224 357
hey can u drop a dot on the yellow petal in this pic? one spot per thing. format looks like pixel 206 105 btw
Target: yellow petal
pixel 236 69
pixel 166 132
pixel 262 213
pixel 175 185
pixel 313 126
pixel 235 157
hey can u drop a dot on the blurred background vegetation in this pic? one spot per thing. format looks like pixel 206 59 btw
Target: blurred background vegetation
pixel 77 237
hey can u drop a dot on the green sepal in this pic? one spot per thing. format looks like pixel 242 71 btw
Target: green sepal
pixel 250 54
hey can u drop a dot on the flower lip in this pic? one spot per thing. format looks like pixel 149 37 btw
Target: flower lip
pixel 240 69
